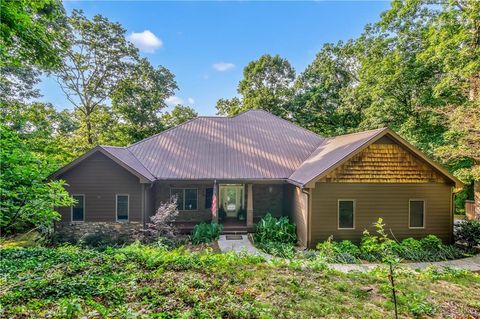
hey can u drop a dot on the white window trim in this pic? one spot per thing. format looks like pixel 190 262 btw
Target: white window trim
pixel 183 204
pixel 424 212
pixel 71 209
pixel 338 212
pixel 116 208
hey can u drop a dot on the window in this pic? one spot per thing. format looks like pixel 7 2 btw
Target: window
pixel 208 197
pixel 122 207
pixel 186 198
pixel 417 213
pixel 78 209
pixel 346 214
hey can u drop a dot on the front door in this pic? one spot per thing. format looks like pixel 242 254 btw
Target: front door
pixel 231 199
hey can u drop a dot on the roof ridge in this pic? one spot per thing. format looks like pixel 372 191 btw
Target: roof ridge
pixel 162 132
pixel 280 118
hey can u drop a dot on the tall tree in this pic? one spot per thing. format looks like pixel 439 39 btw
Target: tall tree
pixel 178 115
pixel 27 200
pixel 267 84
pixel 98 58
pixel 31 33
pixel 229 107
pixel 139 99
pixel 325 92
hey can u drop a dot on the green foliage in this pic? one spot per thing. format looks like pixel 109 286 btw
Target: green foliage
pixel 266 84
pixel 140 98
pixel 178 115
pixel 27 199
pixel 206 232
pixel 272 229
pixel 139 281
pixel 31 33
pixel 276 236
pixel 468 232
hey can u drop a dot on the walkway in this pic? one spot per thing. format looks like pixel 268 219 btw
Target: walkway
pixel 239 244
pixel 470 263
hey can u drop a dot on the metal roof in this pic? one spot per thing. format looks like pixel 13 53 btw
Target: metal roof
pixel 254 145
pixel 251 145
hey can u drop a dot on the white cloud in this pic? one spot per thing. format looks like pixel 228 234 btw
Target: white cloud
pixel 174 100
pixel 223 66
pixel 145 41
pixel 191 101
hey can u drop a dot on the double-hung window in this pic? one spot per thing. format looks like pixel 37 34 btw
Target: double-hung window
pixel 416 213
pixel 187 198
pixel 346 214
pixel 78 209
pixel 122 206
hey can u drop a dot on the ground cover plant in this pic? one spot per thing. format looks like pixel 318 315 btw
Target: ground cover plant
pixel 373 246
pixel 206 232
pixel 276 236
pixel 139 281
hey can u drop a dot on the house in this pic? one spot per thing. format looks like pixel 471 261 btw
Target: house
pixel 263 164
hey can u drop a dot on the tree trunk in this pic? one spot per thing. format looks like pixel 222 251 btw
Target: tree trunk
pixel 89 130
pixel 476 194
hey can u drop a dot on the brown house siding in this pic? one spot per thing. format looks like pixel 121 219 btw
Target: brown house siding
pixel 162 195
pixel 389 201
pixel 296 210
pixel 99 179
pixel 267 198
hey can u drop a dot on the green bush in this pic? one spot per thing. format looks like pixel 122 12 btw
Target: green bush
pixel 272 229
pixel 205 233
pixel 276 236
pixel 468 232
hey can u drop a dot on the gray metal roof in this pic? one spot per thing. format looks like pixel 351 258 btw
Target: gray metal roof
pixel 251 145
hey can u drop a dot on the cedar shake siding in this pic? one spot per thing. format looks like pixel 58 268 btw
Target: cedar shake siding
pixel 389 201
pixel 100 179
pixel 296 209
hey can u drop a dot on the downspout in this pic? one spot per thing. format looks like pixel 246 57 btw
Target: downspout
pixel 309 205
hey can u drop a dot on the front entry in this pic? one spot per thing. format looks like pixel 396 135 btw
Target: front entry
pixel 231 199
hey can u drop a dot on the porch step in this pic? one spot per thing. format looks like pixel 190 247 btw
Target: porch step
pixel 232 231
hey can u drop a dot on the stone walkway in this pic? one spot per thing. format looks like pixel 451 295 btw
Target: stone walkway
pixel 470 263
pixel 240 245
pixel 244 245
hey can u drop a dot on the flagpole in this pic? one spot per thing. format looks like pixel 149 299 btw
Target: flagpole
pixel 214 203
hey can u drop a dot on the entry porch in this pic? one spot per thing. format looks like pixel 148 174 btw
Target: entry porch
pixel 240 204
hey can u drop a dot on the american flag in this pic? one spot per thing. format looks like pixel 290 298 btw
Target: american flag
pixel 214 202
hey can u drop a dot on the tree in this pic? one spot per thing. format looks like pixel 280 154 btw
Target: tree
pixel 229 107
pixel 267 84
pixel 324 93
pixel 42 129
pixel 27 200
pixel 31 33
pixel 97 59
pixel 178 115
pixel 140 97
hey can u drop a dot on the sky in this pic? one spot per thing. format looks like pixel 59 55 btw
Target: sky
pixel 207 44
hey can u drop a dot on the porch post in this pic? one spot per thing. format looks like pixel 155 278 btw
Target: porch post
pixel 249 206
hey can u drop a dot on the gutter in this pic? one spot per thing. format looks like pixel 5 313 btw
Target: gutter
pixel 309 209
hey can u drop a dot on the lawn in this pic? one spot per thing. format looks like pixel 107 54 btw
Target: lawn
pixel 146 282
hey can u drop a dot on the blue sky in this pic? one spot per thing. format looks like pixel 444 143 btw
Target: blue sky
pixel 207 44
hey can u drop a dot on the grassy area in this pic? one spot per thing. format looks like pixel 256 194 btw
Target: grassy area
pixel 145 282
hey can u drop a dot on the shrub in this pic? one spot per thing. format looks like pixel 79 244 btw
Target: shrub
pixel 344 252
pixel 97 240
pixel 161 227
pixel 468 232
pixel 271 229
pixel 205 233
